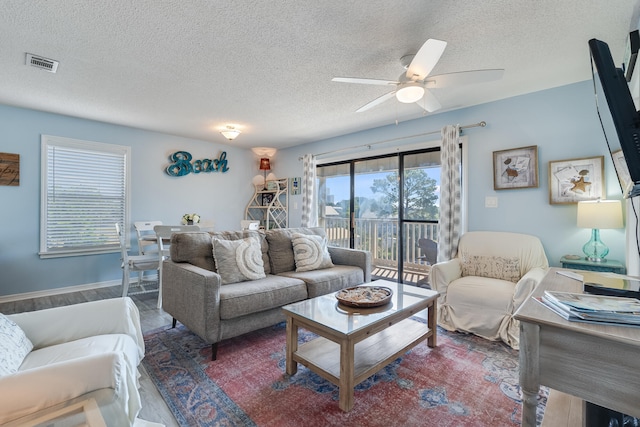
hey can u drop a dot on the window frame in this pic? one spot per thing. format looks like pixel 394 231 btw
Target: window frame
pixel 48 141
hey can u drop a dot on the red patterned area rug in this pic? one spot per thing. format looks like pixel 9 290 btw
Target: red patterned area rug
pixel 464 381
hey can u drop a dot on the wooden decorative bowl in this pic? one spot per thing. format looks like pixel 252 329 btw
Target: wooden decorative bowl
pixel 364 296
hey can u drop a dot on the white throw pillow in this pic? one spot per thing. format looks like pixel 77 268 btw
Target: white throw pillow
pixel 310 252
pixel 14 346
pixel 238 260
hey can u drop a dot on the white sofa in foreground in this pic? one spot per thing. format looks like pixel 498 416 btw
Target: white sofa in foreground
pixel 84 351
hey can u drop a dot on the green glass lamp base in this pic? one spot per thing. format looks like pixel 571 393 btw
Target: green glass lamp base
pixel 594 249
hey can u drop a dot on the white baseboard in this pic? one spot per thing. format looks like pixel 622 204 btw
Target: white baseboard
pixel 58 291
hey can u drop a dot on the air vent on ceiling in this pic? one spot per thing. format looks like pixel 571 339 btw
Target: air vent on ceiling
pixel 42 63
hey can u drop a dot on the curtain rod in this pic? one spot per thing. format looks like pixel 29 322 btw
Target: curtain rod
pixel 474 125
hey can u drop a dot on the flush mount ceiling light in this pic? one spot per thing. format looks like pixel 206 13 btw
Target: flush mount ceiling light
pixel 410 92
pixel 230 133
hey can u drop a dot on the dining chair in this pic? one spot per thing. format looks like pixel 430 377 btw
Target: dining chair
pixel 131 263
pixel 163 240
pixel 429 250
pixel 147 243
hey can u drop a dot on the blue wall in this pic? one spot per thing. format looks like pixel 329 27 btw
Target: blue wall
pixel 217 197
pixel 562 122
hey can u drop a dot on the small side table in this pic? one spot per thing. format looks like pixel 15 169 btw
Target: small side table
pixel 608 266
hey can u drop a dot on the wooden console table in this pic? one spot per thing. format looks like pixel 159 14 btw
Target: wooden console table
pixel 597 363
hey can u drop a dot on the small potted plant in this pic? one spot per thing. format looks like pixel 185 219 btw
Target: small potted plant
pixel 190 219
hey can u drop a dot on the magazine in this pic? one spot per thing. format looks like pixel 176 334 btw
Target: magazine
pixel 595 308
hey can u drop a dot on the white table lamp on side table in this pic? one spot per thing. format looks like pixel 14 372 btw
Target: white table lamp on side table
pixel 598 214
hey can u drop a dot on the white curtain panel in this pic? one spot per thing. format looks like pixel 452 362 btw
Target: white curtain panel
pixel 309 217
pixel 450 193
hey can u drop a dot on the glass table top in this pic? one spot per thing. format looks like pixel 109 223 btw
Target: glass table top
pixel 326 310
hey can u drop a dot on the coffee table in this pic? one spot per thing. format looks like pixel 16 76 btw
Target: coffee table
pixel 355 343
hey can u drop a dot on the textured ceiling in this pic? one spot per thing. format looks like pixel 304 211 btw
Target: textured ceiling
pixel 190 67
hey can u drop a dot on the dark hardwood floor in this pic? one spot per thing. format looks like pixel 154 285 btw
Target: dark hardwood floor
pixel 153 406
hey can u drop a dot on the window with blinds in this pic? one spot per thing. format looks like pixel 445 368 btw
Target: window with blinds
pixel 85 192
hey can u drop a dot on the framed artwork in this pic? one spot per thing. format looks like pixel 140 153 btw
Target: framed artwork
pixel 9 169
pixel 621 169
pixel 515 168
pixel 267 198
pixel 575 180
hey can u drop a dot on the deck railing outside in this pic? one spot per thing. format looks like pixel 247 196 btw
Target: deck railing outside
pixel 380 237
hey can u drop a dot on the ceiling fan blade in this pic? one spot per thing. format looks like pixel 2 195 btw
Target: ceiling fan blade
pixel 377 101
pixel 463 78
pixel 364 81
pixel 426 58
pixel 429 102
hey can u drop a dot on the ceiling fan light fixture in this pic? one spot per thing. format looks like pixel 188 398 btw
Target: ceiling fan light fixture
pixel 230 133
pixel 409 93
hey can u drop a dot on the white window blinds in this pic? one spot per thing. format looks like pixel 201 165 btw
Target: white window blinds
pixel 84 193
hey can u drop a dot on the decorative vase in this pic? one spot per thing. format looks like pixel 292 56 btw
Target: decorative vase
pixel 189 222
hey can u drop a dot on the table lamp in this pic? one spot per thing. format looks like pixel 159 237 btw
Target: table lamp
pixel 597 215
pixel 265 165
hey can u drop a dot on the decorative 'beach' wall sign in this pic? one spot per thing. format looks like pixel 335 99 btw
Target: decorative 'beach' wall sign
pixel 9 169
pixel 182 164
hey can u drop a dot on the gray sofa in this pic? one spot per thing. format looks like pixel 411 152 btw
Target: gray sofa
pixel 194 295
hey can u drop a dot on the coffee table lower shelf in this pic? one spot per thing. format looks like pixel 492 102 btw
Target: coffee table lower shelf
pixel 322 355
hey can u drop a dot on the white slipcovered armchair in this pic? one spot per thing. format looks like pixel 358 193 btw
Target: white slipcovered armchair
pixel 52 358
pixel 492 275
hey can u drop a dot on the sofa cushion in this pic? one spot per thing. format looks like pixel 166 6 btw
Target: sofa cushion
pixel 321 282
pixel 281 248
pixel 195 248
pixel 14 346
pixel 239 299
pixel 310 252
pixel 238 260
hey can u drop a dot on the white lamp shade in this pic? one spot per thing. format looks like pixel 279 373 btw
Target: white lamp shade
pixel 600 214
pixel 264 151
pixel 409 93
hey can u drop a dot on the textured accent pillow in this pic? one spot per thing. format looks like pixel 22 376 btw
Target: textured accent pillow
pixel 14 346
pixel 310 252
pixel 238 260
pixel 497 267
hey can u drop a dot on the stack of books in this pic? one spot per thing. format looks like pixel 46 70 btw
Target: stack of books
pixel 593 308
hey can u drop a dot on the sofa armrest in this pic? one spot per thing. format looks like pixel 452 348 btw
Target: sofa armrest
pixel 32 390
pixel 72 322
pixel 443 273
pixel 355 257
pixel 526 285
pixel 192 296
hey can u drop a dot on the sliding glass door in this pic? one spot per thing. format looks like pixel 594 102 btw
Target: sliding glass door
pixel 385 205
pixel 334 203
pixel 420 197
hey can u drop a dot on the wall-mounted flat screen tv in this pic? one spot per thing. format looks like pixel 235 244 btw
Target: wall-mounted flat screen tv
pixel 618 116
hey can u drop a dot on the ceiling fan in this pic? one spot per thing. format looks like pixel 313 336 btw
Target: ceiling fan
pixel 413 85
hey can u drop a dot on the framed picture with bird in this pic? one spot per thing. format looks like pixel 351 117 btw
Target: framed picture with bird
pixel 515 168
pixel 575 180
